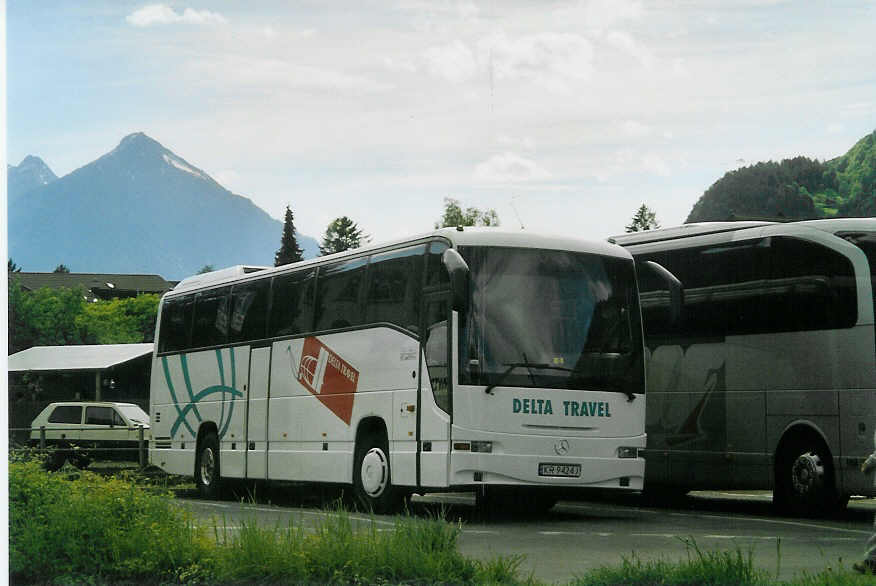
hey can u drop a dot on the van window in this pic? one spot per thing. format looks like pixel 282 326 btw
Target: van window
pixel 66 414
pixel 103 416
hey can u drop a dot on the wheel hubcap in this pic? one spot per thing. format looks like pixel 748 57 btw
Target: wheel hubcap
pixel 207 466
pixel 807 473
pixel 375 472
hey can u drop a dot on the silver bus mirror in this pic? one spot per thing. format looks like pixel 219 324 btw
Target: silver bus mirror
pixel 459 273
pixel 676 290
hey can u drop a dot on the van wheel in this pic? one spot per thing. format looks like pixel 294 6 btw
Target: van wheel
pixel 804 479
pixel 55 460
pixel 81 461
pixel 372 477
pixel 207 466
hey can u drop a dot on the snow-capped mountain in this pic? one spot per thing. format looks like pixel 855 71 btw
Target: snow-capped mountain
pixel 141 209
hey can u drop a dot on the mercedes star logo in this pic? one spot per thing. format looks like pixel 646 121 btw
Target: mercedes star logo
pixel 562 447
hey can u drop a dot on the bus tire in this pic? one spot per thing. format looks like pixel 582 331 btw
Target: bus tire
pixel 207 476
pixel 372 476
pixel 804 478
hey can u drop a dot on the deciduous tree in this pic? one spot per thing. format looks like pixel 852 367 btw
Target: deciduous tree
pixel 454 215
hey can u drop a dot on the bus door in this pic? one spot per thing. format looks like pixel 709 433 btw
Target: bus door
pixel 435 396
pixel 257 412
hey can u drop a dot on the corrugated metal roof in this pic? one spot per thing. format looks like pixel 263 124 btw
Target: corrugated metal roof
pixel 73 358
pixel 119 282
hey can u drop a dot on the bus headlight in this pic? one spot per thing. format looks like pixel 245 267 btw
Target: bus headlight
pixel 627 452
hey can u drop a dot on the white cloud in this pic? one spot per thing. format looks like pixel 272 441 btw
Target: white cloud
pixel 626 43
pixel 400 64
pixel 454 62
pixel 513 141
pixel 634 129
pixel 601 14
pixel 153 14
pixel 551 59
pixel 255 73
pixel 655 164
pixel 509 168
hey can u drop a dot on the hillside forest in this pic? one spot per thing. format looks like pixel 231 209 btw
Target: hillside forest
pixel 795 189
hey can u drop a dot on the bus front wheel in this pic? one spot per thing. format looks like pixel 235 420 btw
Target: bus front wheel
pixel 372 476
pixel 207 466
pixel 804 479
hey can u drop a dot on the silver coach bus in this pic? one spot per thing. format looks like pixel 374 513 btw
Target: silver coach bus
pixel 767 378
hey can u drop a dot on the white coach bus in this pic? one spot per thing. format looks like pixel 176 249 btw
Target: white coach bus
pixel 463 358
pixel 768 380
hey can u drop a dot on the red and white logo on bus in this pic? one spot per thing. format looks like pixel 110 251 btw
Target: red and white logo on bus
pixel 329 377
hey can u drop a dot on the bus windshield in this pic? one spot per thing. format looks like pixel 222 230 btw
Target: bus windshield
pixel 551 319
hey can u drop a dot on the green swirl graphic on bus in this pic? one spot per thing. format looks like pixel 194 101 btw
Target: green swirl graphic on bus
pixel 190 407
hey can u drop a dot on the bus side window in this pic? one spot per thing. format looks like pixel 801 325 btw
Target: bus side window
pixel 292 303
pixel 339 295
pixel 211 318
pixel 813 287
pixel 249 311
pixel 394 286
pixel 176 324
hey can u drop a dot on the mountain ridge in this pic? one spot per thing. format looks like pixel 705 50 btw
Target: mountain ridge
pixel 30 173
pixel 141 208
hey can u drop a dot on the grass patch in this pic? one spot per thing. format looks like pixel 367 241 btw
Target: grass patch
pixel 81 527
pixel 711 568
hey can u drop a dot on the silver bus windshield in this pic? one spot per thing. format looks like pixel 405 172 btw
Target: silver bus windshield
pixel 551 319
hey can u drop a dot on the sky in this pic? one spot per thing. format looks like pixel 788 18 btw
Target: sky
pixel 563 116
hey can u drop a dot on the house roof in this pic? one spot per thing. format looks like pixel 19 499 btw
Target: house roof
pixel 90 281
pixel 76 358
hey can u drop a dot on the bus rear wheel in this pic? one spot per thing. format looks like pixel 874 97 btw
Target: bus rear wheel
pixel 207 476
pixel 372 476
pixel 804 479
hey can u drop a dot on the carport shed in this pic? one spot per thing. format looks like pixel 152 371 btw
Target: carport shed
pixel 106 372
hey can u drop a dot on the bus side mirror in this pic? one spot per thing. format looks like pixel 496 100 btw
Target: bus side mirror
pixel 459 273
pixel 676 290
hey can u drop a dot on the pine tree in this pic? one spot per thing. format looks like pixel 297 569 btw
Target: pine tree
pixel 644 219
pixel 342 234
pixel 289 250
pixel 61 268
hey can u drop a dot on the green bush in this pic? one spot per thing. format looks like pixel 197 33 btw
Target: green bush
pixel 67 526
pixel 84 527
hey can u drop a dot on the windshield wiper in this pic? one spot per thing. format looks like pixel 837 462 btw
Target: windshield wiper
pixel 529 365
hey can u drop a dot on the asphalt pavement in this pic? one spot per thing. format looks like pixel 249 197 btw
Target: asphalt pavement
pixel 581 534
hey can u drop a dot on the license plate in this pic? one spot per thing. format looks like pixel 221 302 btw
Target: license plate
pixel 564 470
